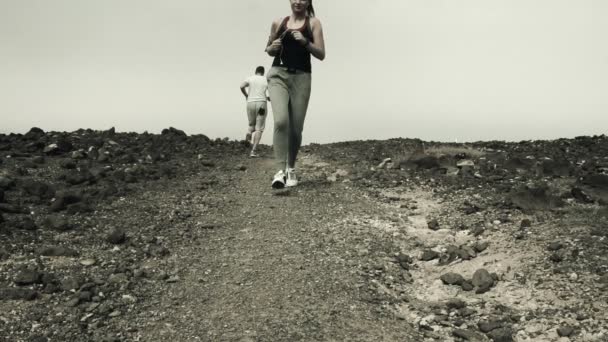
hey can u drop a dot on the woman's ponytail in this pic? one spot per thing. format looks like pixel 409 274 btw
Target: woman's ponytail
pixel 311 10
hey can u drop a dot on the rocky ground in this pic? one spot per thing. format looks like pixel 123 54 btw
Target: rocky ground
pixel 109 236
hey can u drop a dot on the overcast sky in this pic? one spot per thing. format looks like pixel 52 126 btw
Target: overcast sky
pixel 431 69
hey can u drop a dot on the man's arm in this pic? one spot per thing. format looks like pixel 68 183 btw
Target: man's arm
pixel 243 86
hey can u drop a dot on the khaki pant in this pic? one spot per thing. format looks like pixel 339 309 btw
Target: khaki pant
pixel 256 113
pixel 289 94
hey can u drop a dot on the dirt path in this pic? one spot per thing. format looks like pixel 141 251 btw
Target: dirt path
pixel 274 267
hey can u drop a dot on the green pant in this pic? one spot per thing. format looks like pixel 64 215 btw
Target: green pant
pixel 289 94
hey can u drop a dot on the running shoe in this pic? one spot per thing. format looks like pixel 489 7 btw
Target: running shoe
pixel 279 180
pixel 292 180
pixel 253 154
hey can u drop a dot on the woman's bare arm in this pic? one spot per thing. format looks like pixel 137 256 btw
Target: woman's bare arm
pixel 273 47
pixel 317 48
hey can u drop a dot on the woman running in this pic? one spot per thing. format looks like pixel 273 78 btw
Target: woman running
pixel 292 40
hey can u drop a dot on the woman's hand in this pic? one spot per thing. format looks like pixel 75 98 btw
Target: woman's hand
pixel 299 37
pixel 274 47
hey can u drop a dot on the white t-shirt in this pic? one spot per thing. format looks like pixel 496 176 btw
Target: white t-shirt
pixel 257 88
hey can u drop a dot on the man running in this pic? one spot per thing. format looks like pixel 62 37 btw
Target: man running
pixel 256 107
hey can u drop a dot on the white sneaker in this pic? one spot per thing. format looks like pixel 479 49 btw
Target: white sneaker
pixel 253 154
pixel 292 179
pixel 278 182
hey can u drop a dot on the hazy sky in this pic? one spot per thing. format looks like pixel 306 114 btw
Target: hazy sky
pixel 431 69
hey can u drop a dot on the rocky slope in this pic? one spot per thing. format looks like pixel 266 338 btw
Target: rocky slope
pixel 109 236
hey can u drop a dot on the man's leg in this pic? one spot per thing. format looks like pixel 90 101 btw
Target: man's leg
pixel 259 125
pixel 251 117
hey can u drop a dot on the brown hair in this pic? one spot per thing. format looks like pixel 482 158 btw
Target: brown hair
pixel 310 10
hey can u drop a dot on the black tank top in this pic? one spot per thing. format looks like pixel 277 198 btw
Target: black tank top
pixel 293 54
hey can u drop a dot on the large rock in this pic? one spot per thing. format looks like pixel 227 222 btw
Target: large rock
pixel 482 280
pixel 173 131
pixel 34 133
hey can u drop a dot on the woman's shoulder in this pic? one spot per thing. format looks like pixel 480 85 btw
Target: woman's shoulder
pixel 278 21
pixel 314 21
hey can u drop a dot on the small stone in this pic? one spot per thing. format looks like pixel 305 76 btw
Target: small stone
pixel 428 255
pixel 467 286
pixel 73 302
pixel 555 246
pixel 565 331
pixel 455 303
pixel 482 280
pixel 487 326
pixel 452 278
pixel 114 314
pixel 433 224
pixel 556 257
pixel 28 277
pixel 501 335
pixel 525 223
pixel 69 284
pixel 129 299
pixel 467 335
pixel 481 246
pixel 17 294
pixel 477 231
pixel 88 262
pixel 116 236
pixel 85 296
pixel 173 279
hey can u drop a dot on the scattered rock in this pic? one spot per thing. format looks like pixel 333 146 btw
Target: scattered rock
pixel 525 223
pixel 468 335
pixel 452 279
pixel 480 246
pixel 554 246
pixel 455 303
pixel 71 283
pixel 28 277
pixel 428 255
pixel 116 236
pixel 487 326
pixel 482 280
pixel 477 231
pixel 17 294
pixel 501 335
pixel 565 331
pixel 433 224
